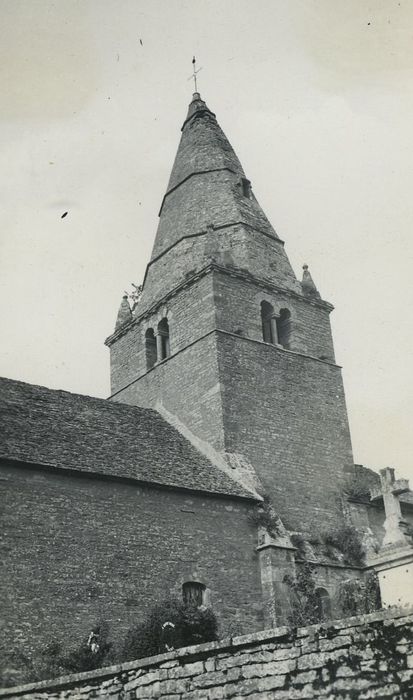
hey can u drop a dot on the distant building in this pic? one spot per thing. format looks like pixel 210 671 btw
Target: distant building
pixel 224 390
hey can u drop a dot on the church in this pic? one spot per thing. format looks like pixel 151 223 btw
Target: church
pixel 222 459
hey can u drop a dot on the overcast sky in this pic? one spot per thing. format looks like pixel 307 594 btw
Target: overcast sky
pixel 316 97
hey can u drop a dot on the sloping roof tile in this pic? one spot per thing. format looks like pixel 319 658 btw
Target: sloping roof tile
pixel 71 431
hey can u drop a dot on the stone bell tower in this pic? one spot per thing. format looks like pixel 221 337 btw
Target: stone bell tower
pixel 228 342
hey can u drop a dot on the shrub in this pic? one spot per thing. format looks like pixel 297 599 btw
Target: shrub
pixel 352 597
pixel 265 516
pixel 305 602
pixel 170 624
pixel 356 489
pixel 373 596
pixel 357 597
pixel 53 660
pixel 85 657
pixel 348 542
pixel 299 543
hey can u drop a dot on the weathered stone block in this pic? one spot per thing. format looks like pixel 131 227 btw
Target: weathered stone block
pixel 193 669
pixel 244 687
pixel 289 653
pixel 233 674
pixel 230 661
pixel 386 691
pixel 336 642
pixel 271 682
pixel 304 677
pixel 206 680
pixel 175 686
pixel 210 665
pixel 145 679
pixel 317 660
pixel 269 669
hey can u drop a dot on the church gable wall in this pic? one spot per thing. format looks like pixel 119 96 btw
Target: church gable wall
pixel 79 549
pixel 286 414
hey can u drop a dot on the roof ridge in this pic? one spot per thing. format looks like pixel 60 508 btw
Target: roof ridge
pixel 105 401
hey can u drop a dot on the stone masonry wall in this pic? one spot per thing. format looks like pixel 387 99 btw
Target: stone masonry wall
pixel 283 411
pixel 77 549
pixel 234 245
pixel 238 304
pixel 187 385
pixel 356 658
pixel 286 414
pixel 190 314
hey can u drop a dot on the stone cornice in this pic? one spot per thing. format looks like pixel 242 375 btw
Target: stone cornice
pixel 139 483
pixel 226 270
pixel 390 557
pixel 188 177
pixel 275 348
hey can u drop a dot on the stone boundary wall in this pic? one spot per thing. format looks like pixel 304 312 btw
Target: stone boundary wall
pixel 368 656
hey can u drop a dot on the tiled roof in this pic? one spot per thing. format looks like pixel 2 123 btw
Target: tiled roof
pixel 71 431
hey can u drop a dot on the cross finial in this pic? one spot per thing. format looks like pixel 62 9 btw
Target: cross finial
pixel 194 73
pixel 390 489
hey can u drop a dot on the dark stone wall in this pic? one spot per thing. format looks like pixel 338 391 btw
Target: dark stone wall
pixel 186 385
pixel 75 549
pixel 286 413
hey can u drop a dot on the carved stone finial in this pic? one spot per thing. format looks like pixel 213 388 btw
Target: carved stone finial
pixel 124 313
pixel 307 284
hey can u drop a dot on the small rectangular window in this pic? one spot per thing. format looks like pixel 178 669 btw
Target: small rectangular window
pixel 193 593
pixel 246 187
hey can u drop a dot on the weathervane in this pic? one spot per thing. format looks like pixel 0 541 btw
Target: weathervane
pixel 194 74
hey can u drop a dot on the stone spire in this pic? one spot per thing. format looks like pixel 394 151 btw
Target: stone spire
pixel 207 186
pixel 124 313
pixel 203 147
pixel 307 284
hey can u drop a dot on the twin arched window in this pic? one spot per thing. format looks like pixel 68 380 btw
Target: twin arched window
pixel 276 329
pixel 157 347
